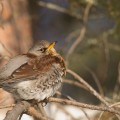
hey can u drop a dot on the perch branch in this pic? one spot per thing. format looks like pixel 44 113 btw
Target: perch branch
pixel 21 108
pixel 78 104
pixel 17 110
pixel 36 114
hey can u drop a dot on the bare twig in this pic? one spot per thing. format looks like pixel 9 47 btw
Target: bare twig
pixel 75 83
pixel 119 73
pixel 65 111
pixel 82 31
pixel 112 46
pixel 77 41
pixel 7 106
pixel 78 104
pixel 63 95
pixel 100 116
pixel 36 114
pixel 106 49
pixel 69 98
pixel 85 114
pixel 8 51
pixel 93 91
pixel 59 9
pixel 42 110
pixel 116 93
pixel 115 104
pixel 96 81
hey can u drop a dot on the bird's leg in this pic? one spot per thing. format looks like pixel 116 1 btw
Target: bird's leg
pixel 44 102
pixel 20 116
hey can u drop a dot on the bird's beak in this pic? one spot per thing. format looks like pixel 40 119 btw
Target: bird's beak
pixel 51 46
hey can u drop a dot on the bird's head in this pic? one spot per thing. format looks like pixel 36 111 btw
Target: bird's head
pixel 43 48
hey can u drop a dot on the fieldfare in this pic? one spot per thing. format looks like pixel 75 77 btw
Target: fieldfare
pixel 36 75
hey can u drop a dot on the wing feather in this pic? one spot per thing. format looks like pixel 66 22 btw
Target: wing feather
pixel 12 65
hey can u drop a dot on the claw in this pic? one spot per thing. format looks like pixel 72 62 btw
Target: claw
pixel 44 102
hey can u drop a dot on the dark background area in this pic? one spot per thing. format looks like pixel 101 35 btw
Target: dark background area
pixel 96 57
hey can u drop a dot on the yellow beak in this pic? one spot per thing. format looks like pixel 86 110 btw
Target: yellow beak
pixel 51 46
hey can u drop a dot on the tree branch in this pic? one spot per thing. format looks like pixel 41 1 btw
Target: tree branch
pixel 78 104
pixel 17 110
pixel 82 31
pixel 59 9
pixel 92 90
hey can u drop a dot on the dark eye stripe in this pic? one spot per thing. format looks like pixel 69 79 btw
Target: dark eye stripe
pixel 42 49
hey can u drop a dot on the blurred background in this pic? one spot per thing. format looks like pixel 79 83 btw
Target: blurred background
pixel 88 35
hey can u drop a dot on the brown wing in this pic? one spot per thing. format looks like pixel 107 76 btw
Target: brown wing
pixel 36 67
pixel 27 70
pixel 30 69
pixel 24 71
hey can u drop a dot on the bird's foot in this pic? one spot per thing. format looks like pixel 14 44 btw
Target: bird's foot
pixel 44 102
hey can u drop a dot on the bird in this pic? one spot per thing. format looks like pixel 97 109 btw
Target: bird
pixel 36 75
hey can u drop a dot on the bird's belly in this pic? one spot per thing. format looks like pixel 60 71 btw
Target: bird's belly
pixel 28 90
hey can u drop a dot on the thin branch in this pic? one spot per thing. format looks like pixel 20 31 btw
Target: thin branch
pixel 63 95
pixel 85 113
pixel 116 91
pixel 106 49
pixel 97 81
pixel 65 111
pixel 82 31
pixel 92 90
pixel 59 9
pixel 36 114
pixel 87 11
pixel 42 110
pixel 8 51
pixel 75 83
pixel 118 103
pixel 77 41
pixel 78 104
pixel 6 106
pixel 69 98
pixel 100 116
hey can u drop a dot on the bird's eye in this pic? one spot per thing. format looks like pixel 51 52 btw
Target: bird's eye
pixel 42 49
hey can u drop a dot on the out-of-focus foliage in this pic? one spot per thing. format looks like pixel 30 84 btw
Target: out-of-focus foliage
pixel 101 52
pixel 113 9
pixel 97 55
